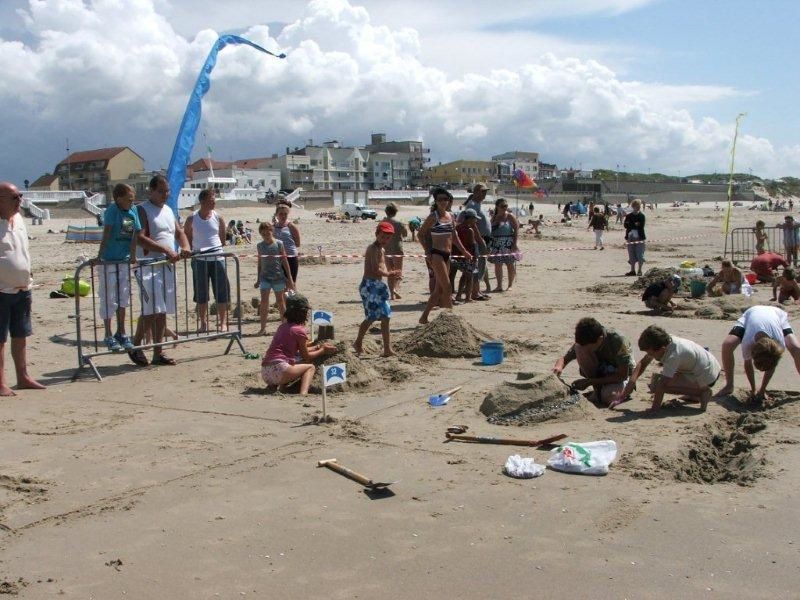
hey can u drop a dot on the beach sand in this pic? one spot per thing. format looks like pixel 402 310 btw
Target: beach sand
pixel 194 482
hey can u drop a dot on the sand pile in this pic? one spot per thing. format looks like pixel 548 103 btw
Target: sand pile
pixel 447 336
pixel 654 275
pixel 359 374
pixel 725 452
pixel 531 399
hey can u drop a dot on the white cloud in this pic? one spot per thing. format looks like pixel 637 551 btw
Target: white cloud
pixel 116 72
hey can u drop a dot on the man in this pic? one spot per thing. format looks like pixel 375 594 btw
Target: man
pixel 485 229
pixel 658 295
pixel 604 360
pixel 205 231
pixel 765 264
pixel 15 289
pixel 157 282
pixel 764 333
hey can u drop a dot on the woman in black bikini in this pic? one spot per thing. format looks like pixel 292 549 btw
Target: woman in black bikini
pixel 440 224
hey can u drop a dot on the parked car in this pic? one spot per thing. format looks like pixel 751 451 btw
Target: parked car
pixel 352 209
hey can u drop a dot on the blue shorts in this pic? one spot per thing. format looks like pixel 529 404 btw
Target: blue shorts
pixel 15 315
pixel 375 298
pixel 275 286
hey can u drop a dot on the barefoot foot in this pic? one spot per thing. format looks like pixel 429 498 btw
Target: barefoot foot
pixel 29 383
pixel 725 391
pixel 387 354
pixel 7 391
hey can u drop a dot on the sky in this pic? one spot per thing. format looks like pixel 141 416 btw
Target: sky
pixel 649 85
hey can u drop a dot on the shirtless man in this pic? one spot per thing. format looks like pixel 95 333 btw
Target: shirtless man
pixel 785 287
pixel 730 277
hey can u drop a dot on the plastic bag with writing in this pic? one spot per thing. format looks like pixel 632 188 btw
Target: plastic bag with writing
pixel 590 458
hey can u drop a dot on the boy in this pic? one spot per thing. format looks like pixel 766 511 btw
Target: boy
pixel 598 223
pixel 791 238
pixel 467 232
pixel 688 369
pixel 604 359
pixel 764 333
pixel 120 234
pixel 374 291
pixel 658 295
pixel 395 249
pixel 730 277
pixel 785 287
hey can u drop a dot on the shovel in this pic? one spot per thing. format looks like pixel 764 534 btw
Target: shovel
pixel 357 477
pixel 472 439
pixel 443 398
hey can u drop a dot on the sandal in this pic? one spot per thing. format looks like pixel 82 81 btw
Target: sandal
pixel 163 360
pixel 138 358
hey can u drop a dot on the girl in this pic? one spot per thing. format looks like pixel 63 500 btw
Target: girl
pixel 761 237
pixel 441 227
pixel 289 234
pixel 272 269
pixel 505 228
pixel 635 237
pixel 279 366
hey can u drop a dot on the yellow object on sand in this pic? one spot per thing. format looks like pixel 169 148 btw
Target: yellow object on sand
pixel 688 264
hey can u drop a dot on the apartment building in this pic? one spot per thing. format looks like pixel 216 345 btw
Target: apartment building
pixel 508 162
pixel 330 166
pixel 411 151
pixel 548 171
pixel 388 170
pixel 461 172
pixel 98 170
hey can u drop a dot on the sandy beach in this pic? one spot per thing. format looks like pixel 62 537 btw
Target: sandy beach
pixel 194 482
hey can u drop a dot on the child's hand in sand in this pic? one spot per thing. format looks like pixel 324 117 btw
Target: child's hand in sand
pixel 580 384
pixel 329 348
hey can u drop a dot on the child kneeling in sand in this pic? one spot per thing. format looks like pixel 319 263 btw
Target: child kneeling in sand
pixel 785 287
pixel 730 277
pixel 279 366
pixel 688 369
pixel 374 291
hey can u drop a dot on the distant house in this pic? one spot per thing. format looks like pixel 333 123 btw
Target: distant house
pixel 45 183
pixel 98 170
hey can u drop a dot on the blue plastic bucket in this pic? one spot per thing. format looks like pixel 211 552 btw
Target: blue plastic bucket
pixel 492 353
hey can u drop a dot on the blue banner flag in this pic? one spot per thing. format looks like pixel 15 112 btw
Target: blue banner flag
pixel 322 317
pixel 184 143
pixel 333 374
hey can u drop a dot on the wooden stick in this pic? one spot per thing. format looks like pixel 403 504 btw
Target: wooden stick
pixel 454 437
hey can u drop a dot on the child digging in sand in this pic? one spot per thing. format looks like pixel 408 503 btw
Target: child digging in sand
pixel 688 369
pixel 785 287
pixel 374 291
pixel 279 366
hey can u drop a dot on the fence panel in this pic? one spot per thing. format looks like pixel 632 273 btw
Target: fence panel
pixel 156 287
pixel 741 247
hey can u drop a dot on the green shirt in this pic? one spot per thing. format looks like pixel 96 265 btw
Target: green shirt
pixel 615 351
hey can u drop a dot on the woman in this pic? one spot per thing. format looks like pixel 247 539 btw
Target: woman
pixel 394 250
pixel 503 245
pixel 439 228
pixel 289 234
pixel 634 236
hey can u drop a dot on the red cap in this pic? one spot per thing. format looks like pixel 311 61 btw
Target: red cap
pixel 385 227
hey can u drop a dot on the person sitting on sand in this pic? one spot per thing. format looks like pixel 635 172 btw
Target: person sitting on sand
pixel 604 359
pixel 688 369
pixel 534 224
pixel 764 333
pixel 730 277
pixel 785 287
pixel 658 295
pixel 291 338
pixel 765 264
pixel 374 291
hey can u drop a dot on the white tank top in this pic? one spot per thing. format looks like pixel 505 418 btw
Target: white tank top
pixel 161 222
pixel 205 233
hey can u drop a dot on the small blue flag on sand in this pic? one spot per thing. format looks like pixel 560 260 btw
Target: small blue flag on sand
pixel 322 317
pixel 333 374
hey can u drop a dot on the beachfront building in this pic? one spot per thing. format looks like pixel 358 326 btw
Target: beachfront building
pixel 411 151
pixel 388 171
pixel 548 171
pixel 246 173
pixel 461 172
pixel 98 170
pixel 45 183
pixel 508 162
pixel 330 166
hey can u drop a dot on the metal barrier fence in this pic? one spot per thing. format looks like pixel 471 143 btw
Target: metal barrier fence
pixel 152 288
pixel 741 245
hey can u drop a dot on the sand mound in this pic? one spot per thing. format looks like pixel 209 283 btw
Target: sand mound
pixel 725 452
pixel 359 374
pixel 654 275
pixel 447 336
pixel 531 399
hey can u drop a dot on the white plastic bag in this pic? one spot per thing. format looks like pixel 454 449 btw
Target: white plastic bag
pixel 522 468
pixel 590 458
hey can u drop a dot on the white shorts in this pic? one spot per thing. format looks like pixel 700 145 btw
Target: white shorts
pixel 156 288
pixel 598 237
pixel 114 290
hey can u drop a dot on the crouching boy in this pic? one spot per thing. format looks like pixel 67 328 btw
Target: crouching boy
pixel 687 369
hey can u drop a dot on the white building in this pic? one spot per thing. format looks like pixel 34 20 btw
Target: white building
pixel 388 170
pixel 508 162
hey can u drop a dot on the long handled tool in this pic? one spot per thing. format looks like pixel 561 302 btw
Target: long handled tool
pixel 473 439
pixel 443 398
pixel 350 474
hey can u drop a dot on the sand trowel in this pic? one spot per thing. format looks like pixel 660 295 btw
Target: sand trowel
pixel 443 398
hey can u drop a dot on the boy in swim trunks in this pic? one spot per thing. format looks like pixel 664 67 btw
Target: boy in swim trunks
pixel 730 277
pixel 785 287
pixel 374 291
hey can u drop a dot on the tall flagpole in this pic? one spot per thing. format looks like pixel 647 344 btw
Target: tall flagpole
pixel 727 224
